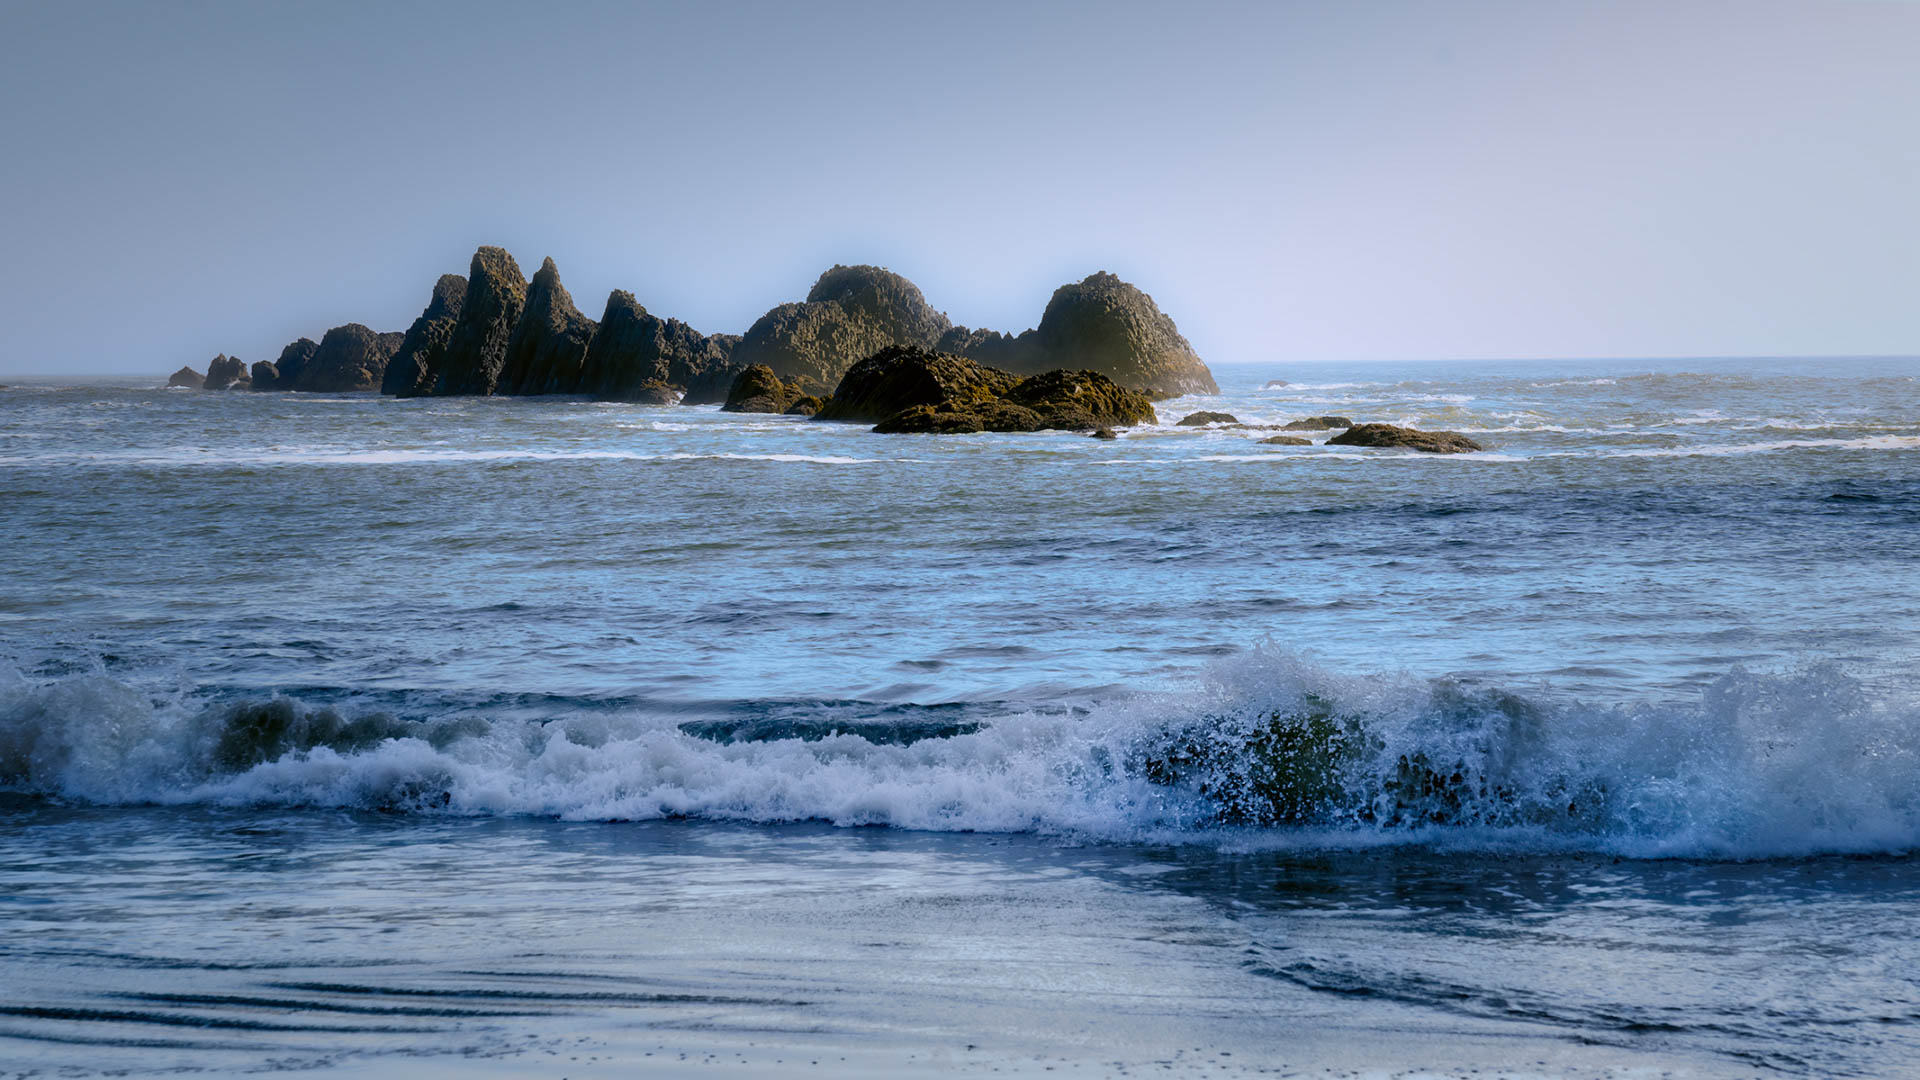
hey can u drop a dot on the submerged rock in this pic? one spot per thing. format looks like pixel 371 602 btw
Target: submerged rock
pixel 548 348
pixel 351 357
pixel 638 356
pixel 1285 440
pixel 1202 419
pixel 1387 435
pixel 188 378
pixel 226 373
pixel 1104 433
pixel 851 313
pixel 410 371
pixel 1317 423
pixel 489 312
pixel 1275 384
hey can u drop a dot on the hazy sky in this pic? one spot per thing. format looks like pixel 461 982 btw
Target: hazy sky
pixel 1291 181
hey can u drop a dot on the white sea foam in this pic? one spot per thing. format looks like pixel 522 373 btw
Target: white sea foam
pixel 1757 765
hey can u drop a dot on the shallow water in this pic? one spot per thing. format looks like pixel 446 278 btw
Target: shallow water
pixel 1669 615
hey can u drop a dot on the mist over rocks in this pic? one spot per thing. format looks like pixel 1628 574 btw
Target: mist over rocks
pixel 489 313
pixel 410 371
pixel 226 373
pixel 637 356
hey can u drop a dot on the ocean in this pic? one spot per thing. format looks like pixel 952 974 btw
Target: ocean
pixel 548 737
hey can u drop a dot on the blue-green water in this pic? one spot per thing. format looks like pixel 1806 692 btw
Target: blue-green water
pixel 1671 613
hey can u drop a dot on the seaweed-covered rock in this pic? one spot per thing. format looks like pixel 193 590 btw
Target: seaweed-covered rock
pixel 1203 418
pixel 759 390
pixel 1285 440
pixel 1081 400
pixel 496 295
pixel 263 376
pixel 293 360
pixel 1387 435
pixel 350 357
pixel 410 371
pixel 188 378
pixel 1104 324
pixel 851 313
pixel 1104 433
pixel 549 343
pixel 226 373
pixel 1317 423
pixel 903 376
pixel 638 356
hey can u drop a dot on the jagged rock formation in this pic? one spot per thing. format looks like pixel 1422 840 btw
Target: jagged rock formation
pixel 759 390
pixel 1387 435
pixel 287 370
pixel 910 389
pixel 263 376
pixel 350 357
pixel 851 313
pixel 188 378
pixel 410 372
pixel 496 295
pixel 637 356
pixel 549 343
pixel 226 373
pixel 1203 418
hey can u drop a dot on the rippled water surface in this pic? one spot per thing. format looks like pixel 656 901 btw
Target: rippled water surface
pixel 1321 724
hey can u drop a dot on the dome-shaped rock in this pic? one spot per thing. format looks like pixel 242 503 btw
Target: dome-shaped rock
pixel 350 357
pixel 1104 324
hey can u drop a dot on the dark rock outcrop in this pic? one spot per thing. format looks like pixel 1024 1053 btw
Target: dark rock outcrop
pixel 638 356
pixel 293 360
pixel 226 373
pixel 350 357
pixel 759 390
pixel 496 295
pixel 901 377
pixel 1387 435
pixel 1317 423
pixel 806 406
pixel 548 348
pixel 1104 433
pixel 851 313
pixel 914 390
pixel 1104 324
pixel 1202 419
pixel 188 378
pixel 1275 384
pixel 410 372
pixel 1285 440
pixel 263 376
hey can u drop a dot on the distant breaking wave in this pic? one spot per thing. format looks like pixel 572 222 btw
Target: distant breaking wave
pixel 1268 750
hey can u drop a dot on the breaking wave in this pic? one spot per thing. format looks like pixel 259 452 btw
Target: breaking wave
pixel 1269 749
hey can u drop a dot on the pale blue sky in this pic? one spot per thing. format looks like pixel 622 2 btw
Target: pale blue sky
pixel 1292 181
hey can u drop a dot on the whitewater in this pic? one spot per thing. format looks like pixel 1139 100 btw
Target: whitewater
pixel 566 736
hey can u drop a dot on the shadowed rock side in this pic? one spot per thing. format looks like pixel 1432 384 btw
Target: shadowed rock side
pixel 188 378
pixel 226 373
pixel 286 370
pixel 1387 435
pixel 851 313
pixel 548 348
pixel 496 295
pixel 350 357
pixel 263 375
pixel 409 373
pixel 910 389
pixel 637 356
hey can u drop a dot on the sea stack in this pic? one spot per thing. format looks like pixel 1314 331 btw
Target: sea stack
pixel 638 356
pixel 226 373
pixel 496 295
pixel 351 357
pixel 851 313
pixel 409 373
pixel 548 348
